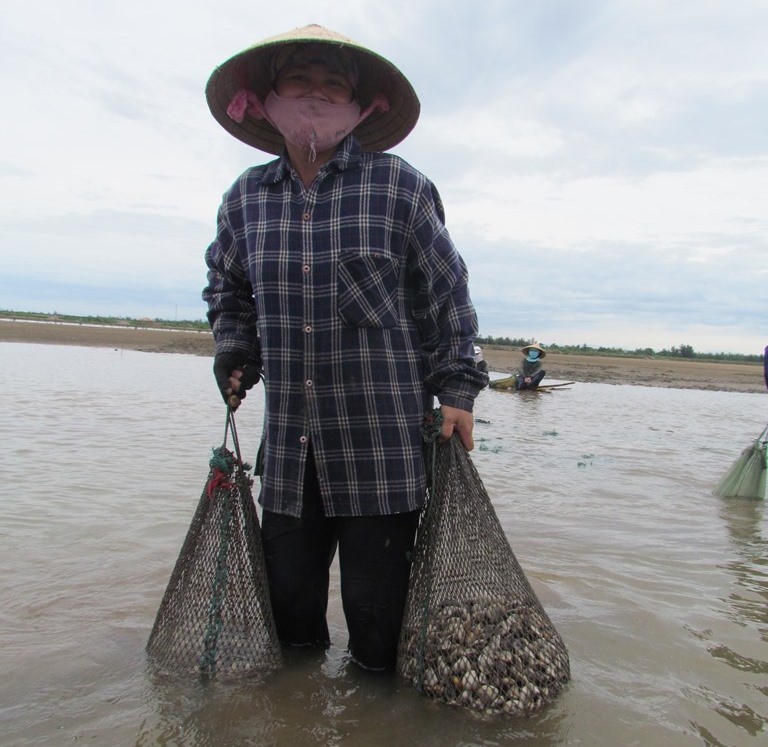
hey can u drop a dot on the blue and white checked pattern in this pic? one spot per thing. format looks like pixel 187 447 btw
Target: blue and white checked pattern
pixel 355 300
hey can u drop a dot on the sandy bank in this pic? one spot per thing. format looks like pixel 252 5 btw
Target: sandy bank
pixel 680 374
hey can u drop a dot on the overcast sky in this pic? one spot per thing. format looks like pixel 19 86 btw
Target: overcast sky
pixel 603 163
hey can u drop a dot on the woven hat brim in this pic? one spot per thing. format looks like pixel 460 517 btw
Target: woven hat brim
pixel 534 347
pixel 250 69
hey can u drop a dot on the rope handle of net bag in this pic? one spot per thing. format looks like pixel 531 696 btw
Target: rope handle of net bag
pixel 231 429
pixel 431 428
pixel 233 402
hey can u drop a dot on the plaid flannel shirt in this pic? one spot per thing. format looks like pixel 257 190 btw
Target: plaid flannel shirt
pixel 355 301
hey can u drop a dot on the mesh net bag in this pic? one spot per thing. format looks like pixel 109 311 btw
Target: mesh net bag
pixel 215 618
pixel 746 476
pixel 474 633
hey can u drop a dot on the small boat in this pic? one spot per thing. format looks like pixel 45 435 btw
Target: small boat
pixel 546 388
pixel 508 384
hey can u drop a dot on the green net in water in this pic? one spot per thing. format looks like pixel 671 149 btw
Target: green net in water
pixel 746 476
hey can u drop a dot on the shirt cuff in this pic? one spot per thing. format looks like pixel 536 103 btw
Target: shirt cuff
pixel 231 344
pixel 461 396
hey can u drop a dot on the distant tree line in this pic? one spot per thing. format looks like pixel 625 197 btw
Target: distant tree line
pixel 117 321
pixel 679 351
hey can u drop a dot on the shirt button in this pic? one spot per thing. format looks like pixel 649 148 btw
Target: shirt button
pixel 303 439
pixel 308 328
pixel 308 382
pixel 305 216
pixel 305 268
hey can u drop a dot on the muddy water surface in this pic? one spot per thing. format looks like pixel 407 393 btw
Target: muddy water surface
pixel 659 588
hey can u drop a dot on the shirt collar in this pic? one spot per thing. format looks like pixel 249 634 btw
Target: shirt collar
pixel 348 157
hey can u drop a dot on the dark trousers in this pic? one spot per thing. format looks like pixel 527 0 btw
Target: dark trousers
pixel 535 380
pixel 374 569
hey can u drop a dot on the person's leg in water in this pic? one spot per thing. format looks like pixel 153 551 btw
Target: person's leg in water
pixel 298 553
pixel 374 560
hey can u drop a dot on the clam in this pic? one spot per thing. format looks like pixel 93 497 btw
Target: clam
pixel 492 655
pixel 470 681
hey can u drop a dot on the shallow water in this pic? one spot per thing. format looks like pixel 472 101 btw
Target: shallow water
pixel 659 588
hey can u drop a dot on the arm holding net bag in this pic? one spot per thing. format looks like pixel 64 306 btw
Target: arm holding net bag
pixel 215 618
pixel 474 633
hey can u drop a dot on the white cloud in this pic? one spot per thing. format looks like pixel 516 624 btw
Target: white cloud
pixel 607 160
pixel 722 198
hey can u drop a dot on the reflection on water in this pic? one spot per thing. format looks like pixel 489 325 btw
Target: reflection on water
pixel 746 605
pixel 744 521
pixel 657 586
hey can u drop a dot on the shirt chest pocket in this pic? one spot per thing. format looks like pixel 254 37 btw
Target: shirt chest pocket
pixel 367 290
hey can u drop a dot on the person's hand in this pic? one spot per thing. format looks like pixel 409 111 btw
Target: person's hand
pixel 458 421
pixel 235 375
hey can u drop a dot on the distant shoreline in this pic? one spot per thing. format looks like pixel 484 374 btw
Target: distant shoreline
pixel 678 374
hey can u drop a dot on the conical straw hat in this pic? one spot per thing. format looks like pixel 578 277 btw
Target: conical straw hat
pixel 534 346
pixel 251 69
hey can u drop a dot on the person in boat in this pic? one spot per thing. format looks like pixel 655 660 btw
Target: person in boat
pixel 334 274
pixel 531 371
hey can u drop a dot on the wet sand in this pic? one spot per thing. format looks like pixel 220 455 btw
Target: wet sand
pixel 679 374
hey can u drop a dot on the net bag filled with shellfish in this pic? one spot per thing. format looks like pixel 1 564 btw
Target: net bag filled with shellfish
pixel 474 633
pixel 215 618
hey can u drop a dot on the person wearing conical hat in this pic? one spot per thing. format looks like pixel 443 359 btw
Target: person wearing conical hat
pixel 333 278
pixel 530 372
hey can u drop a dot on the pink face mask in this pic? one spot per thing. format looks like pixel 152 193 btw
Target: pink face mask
pixel 311 124
pixel 306 122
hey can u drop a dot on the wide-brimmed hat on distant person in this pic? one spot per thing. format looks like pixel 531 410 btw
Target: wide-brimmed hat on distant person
pixel 534 346
pixel 252 72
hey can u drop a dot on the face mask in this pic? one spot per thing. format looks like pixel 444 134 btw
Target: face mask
pixel 533 355
pixel 311 124
pixel 305 122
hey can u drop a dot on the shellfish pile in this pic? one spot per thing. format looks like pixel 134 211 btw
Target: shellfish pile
pixel 494 656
